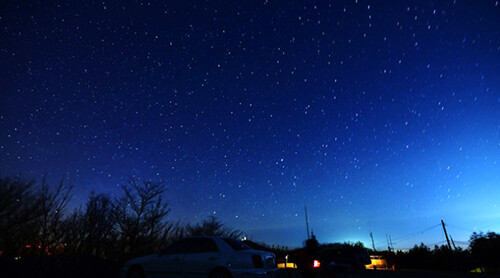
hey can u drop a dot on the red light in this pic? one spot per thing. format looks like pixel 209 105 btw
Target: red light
pixel 316 264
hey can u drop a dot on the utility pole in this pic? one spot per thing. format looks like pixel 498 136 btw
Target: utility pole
pixel 307 222
pixel 388 243
pixel 373 242
pixel 392 246
pixel 446 234
pixel 453 242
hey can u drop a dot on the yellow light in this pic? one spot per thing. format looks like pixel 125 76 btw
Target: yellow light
pixel 377 262
pixel 288 265
pixel 316 264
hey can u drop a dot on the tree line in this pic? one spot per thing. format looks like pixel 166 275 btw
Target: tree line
pixel 40 238
pixel 482 255
pixel 37 230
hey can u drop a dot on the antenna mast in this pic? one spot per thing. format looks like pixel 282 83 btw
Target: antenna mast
pixel 307 222
pixel 453 242
pixel 373 242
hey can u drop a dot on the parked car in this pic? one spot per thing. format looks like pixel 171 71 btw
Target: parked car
pixel 207 257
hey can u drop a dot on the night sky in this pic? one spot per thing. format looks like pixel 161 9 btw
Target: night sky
pixel 380 116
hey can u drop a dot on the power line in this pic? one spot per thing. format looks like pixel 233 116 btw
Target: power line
pixel 410 235
pixel 459 228
pixel 414 234
pixel 469 230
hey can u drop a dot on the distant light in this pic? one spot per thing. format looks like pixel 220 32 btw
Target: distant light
pixel 316 264
pixel 287 265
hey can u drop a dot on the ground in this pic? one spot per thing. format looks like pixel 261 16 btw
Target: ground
pixel 398 274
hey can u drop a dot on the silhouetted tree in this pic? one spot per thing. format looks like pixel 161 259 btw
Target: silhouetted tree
pixel 72 236
pixel 419 257
pixel 485 249
pixel 19 211
pixel 53 203
pixel 212 227
pixel 172 232
pixel 85 240
pixel 98 225
pixel 140 216
pixel 442 257
pixel 92 231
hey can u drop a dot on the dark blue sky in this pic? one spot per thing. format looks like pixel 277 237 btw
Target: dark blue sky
pixel 381 116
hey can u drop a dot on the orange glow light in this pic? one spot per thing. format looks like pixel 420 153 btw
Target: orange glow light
pixel 287 265
pixel 316 264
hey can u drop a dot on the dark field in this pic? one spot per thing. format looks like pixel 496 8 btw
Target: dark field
pixel 397 274
pixel 290 273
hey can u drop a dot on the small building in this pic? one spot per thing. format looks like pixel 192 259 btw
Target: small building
pixel 377 262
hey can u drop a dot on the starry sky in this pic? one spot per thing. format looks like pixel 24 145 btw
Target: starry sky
pixel 380 116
